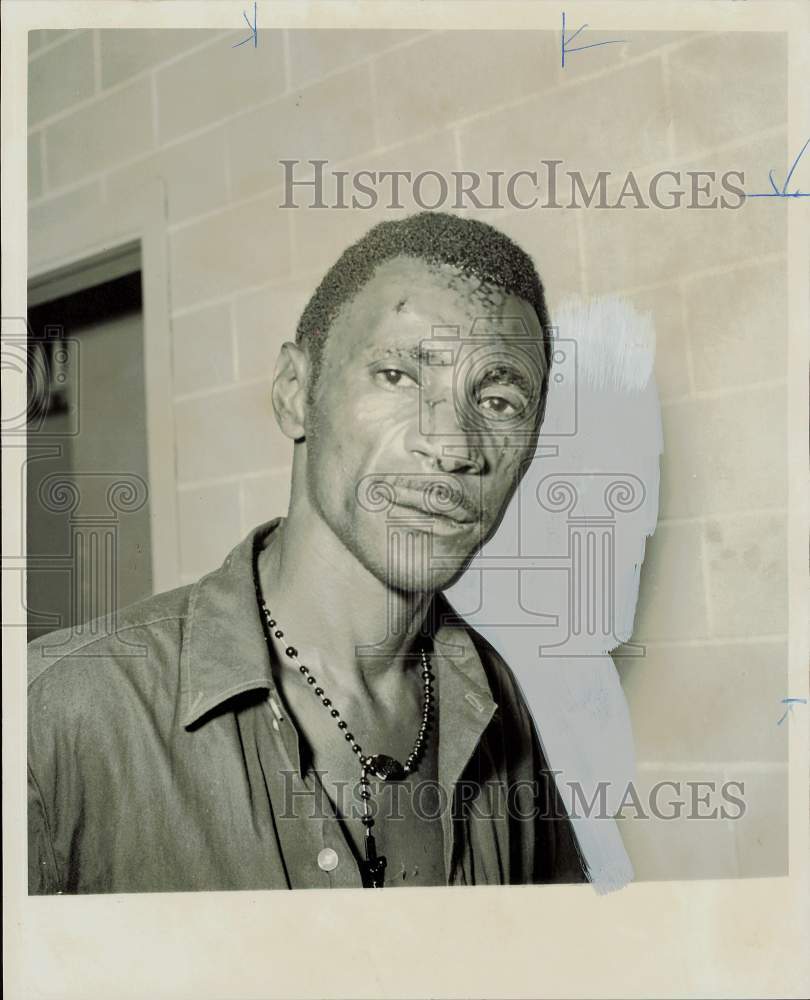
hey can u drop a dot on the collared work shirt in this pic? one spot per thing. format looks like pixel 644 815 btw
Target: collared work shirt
pixel 161 758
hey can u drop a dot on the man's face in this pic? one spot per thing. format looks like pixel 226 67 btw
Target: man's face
pixel 423 420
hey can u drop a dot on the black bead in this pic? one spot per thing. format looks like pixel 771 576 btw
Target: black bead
pixel 278 633
pixel 319 691
pixel 367 820
pixel 365 793
pixel 271 622
pixel 341 724
pixel 356 747
pixel 291 651
pixel 334 713
pixel 327 702
pixel 349 737
pixel 303 669
pixel 310 679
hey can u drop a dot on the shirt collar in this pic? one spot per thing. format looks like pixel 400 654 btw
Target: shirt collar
pixel 224 654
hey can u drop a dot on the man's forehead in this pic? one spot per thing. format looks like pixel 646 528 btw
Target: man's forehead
pixel 408 299
pixel 414 275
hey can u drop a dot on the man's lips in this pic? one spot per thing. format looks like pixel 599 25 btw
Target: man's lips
pixel 443 503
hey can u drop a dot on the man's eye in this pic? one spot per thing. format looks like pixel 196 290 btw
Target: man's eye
pixel 395 377
pixel 499 406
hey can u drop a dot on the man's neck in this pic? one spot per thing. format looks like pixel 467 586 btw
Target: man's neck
pixel 333 609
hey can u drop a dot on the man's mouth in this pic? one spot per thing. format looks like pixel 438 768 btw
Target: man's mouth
pixel 439 501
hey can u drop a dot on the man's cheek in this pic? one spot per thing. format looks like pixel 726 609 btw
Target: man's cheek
pixel 508 456
pixel 508 466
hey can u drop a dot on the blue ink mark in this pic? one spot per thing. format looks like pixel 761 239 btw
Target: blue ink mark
pixel 253 36
pixel 565 42
pixel 790 702
pixel 783 191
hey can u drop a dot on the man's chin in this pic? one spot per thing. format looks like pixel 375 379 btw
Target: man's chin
pixel 423 587
pixel 441 571
pixel 411 557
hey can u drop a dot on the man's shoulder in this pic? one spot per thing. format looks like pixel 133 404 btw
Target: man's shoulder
pixel 146 634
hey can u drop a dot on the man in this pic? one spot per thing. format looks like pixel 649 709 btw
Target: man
pixel 312 714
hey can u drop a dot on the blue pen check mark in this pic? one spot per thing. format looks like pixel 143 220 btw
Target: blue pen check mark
pixel 783 192
pixel 254 35
pixel 566 47
pixel 790 702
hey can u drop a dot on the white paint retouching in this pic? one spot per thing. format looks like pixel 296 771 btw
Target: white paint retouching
pixel 569 551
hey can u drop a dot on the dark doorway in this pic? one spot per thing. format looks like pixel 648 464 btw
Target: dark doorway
pixel 87 514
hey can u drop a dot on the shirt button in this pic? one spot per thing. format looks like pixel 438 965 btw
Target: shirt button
pixel 327 859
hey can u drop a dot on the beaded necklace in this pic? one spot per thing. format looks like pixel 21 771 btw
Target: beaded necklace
pixel 380 765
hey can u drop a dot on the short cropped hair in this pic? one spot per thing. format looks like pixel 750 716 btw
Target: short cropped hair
pixel 474 248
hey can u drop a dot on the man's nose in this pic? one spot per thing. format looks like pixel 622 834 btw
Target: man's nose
pixel 442 442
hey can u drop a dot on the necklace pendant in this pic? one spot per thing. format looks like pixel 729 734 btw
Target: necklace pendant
pixel 372 870
pixel 386 768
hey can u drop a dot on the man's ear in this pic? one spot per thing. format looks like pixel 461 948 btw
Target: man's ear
pixel 290 390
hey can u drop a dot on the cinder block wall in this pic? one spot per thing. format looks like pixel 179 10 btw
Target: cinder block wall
pixel 109 110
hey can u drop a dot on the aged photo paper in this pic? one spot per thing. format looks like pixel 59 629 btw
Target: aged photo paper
pixel 405 487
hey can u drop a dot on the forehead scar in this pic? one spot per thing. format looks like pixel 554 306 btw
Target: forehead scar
pixel 415 352
pixel 400 305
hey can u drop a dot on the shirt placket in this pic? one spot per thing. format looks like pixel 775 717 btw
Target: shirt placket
pixel 465 711
pixel 313 843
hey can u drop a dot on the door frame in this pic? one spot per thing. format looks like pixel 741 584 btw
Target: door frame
pixel 90 264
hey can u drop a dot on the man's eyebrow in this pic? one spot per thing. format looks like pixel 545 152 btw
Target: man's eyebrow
pixel 507 375
pixel 414 352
